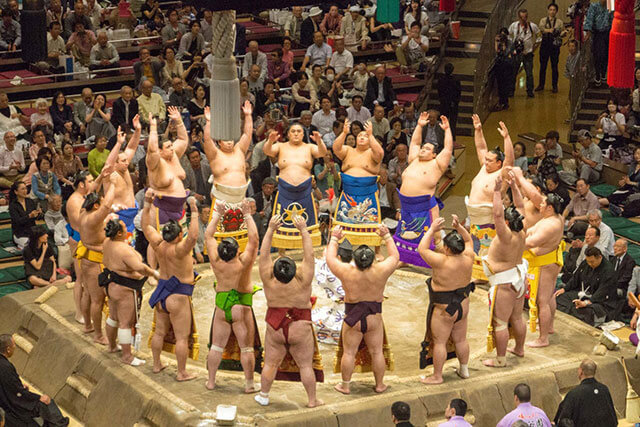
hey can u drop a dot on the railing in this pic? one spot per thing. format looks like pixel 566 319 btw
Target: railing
pixel 502 15
pixel 579 83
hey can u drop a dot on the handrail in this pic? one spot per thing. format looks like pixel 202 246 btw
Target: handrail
pixel 501 16
pixel 579 83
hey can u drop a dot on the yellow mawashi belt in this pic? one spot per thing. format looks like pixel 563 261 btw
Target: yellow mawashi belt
pixel 82 252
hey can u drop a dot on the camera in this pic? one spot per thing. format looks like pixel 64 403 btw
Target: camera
pixel 518 46
pixel 276 115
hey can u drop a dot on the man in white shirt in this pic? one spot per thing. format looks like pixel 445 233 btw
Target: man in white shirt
pixel 323 118
pixel 342 59
pixel 413 49
pixel 380 123
pixel 11 161
pixel 607 239
pixel 357 112
pixel 103 55
pixel 254 57
pixel 318 53
pixel 330 137
pixel 294 23
pixel 526 37
pixel 55 47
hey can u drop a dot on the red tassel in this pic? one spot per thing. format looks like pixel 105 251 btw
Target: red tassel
pixel 447 5
pixel 622 46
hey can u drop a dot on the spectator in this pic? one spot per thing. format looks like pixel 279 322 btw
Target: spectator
pixel 573 261
pixel 389 199
pixel 11 161
pixel 44 183
pixel 23 212
pixel 98 156
pixel 553 147
pixel 62 116
pixel 573 59
pixel 552 33
pixel 197 172
pixel 310 27
pixel 331 22
pixel 65 166
pixel 504 68
pixel 455 413
pixel 173 31
pixel 203 219
pixel 379 31
pixel 53 217
pixel 394 137
pixel 10 33
pixel 543 165
pixel 416 14
pixel 41 117
pixel 380 90
pixel 11 118
pixel 332 87
pixel 336 129
pixel 356 112
pixel 151 103
pixel 623 266
pixel 356 128
pixel 526 37
pixel 245 95
pixel 597 25
pixel 520 154
pixel 38 141
pixel 432 132
pixel 180 97
pixel 395 112
pixel 254 56
pixel 524 410
pixel 307 126
pixel 354 29
pixel 124 109
pixel 327 174
pixel 98 119
pixel 278 70
pixel 55 47
pixel 206 24
pixel 21 406
pixel 268 99
pixel 555 185
pixel 413 49
pixel 380 123
pixel 635 100
pixel 196 72
pixel 304 95
pixel 627 186
pixel 401 414
pixel 397 165
pixel 81 108
pixel 341 59
pixel 94 12
pixel 612 123
pixel 256 83
pixel 323 118
pixel 80 44
pixel 55 13
pixel 148 68
pixel 149 9
pixel 197 105
pixel 191 43
pixel 103 54
pixel 294 24
pixel 287 54
pixel 409 118
pixel 449 96
pixel 588 161
pixel 78 15
pixel 606 234
pixel 581 203
pixel 172 68
pixel 319 83
pixel 318 53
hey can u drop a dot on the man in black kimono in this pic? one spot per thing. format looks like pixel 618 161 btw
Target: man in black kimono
pixel 589 404
pixel 591 293
pixel 20 405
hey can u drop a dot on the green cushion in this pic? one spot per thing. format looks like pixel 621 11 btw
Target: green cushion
pixel 631 233
pixel 606 213
pixel 17 272
pixel 6 235
pixel 634 252
pixel 619 223
pixel 603 190
pixel 16 287
pixel 5 215
pixel 6 276
pixel 5 254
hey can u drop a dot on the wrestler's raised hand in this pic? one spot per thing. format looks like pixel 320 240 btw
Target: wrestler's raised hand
pixel 368 128
pixel 299 222
pixel 273 136
pixel 498 186
pixel 275 222
pixel 207 113
pixel 504 132
pixel 382 230
pixel 245 207
pixel 149 195
pixel 438 224
pixel 511 180
pixel 316 137
pixel 477 124
pixel 136 122
pixel 121 136
pixel 444 123
pixel 423 119
pixel 346 128
pixel 193 203
pixel 455 222
pixel 107 170
pixel 152 120
pixel 174 114
pixel 337 232
pixel 247 108
pixel 219 207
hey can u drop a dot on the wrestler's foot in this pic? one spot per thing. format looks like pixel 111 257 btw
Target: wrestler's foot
pixel 512 350
pixel 315 403
pixel 79 319
pixel 158 368
pixel 538 343
pixel 101 340
pixel 185 377
pixel 432 379
pixel 342 388
pixel 134 361
pixel 87 330
pixel 209 385
pixel 494 363
pixel 380 388
pixel 551 332
pixel 115 349
pixel 253 389
pixel 462 374
pixel 262 398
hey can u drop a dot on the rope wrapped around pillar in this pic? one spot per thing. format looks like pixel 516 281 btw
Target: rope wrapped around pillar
pixel 225 86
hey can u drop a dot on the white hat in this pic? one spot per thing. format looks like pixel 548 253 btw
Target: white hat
pixel 315 11
pixel 355 8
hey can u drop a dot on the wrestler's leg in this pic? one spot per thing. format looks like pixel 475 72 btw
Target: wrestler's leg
pixel 554 272
pixel 519 327
pixel 90 271
pixel 504 301
pixel 459 338
pixel 157 342
pixel 302 347
pixel 77 288
pixel 112 331
pixel 546 288
pixel 351 338
pixel 374 338
pixel 180 314
pixel 219 337
pixel 126 316
pixel 245 341
pixel 441 327
pixel 274 352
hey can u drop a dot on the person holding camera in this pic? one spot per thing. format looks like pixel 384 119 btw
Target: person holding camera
pixel 552 32
pixel 525 37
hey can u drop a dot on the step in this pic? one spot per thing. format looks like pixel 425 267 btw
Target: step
pixel 465 43
pixel 465 119
pixel 463 107
pixel 589 114
pixel 473 22
pixel 597 93
pixel 594 104
pixel 464 96
pixel 473 14
pixel 583 124
pixel 461 52
pixel 463 129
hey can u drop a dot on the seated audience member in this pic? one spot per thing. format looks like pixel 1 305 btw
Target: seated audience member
pixel 341 59
pixel 98 119
pixel 294 23
pixel 124 109
pixel 524 410
pixel 11 161
pixel 268 100
pixel 612 122
pixel 576 211
pixel 95 13
pixel 623 265
pixel 591 294
pixel 310 27
pixel 79 15
pixel 412 52
pixel 397 165
pixel 319 53
pixel 380 90
pixel 148 10
pixel 409 118
pixel 148 68
pixel 318 82
pixel 56 223
pixel 304 95
pixel 44 183
pixel 98 156
pixel 432 132
pixel 332 87
pixel 41 118
pixel 22 406
pixel 307 126
pixel 589 404
pixel 607 238
pixel 553 146
pixel 270 122
pixel 336 129
pixel 401 414
pixel 196 72
pixel 179 96
pixel 80 44
pixel 415 13
pixel 206 24
pixel 323 118
pixel 327 174
pixel 12 119
pixel 265 199
pixel 331 22
pixel 455 413
pixel 254 56
pixel 81 108
pixel 588 161
pixel 10 33
pixel 379 31
pixel 287 54
pixel 389 199
pixel 197 172
pixel 204 211
pixel 555 185
pixel 380 123
pixel 38 142
pixel 104 54
pixel 357 112
pixel 62 116
pixel 191 42
pixel 23 211
pixel 543 165
pixel 278 70
pixel 591 239
pixel 65 166
pixel 256 83
pixel 394 137
pixel 628 186
pixel 173 31
pixel 55 13
pixel 354 30
pixel 150 102
pixel 197 105
pixel 172 67
pixel 360 76
pixel 56 46
pixel 520 154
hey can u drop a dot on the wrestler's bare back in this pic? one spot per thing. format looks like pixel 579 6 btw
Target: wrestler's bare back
pixel 91 230
pixel 367 285
pixel 229 168
pixel 420 178
pixel 482 186
pixel 166 178
pixel 227 273
pixel 119 256
pixel 531 214
pixel 124 195
pixel 453 272
pixel 172 264
pixel 505 254
pixel 294 294
pixel 74 206
pixel 295 162
pixel 549 231
pixel 360 163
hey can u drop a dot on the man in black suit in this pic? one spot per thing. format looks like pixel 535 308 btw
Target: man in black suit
pixel 401 414
pixel 432 132
pixel 380 90
pixel 148 65
pixel 264 203
pixel 124 109
pixel 623 266
pixel 20 405
pixel 449 96
pixel 310 26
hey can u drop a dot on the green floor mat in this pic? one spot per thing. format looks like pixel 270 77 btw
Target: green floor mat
pixel 631 233
pixel 6 235
pixel 4 254
pixel 606 213
pixel 17 287
pixel 5 215
pixel 618 223
pixel 603 190
pixel 634 252
pixel 6 276
pixel 17 272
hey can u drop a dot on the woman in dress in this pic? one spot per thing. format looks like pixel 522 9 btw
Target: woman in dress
pixel 41 118
pixel 65 166
pixel 304 95
pixel 172 68
pixel 44 183
pixel 197 104
pixel 98 120
pixel 40 260
pixel 62 116
pixel 23 212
